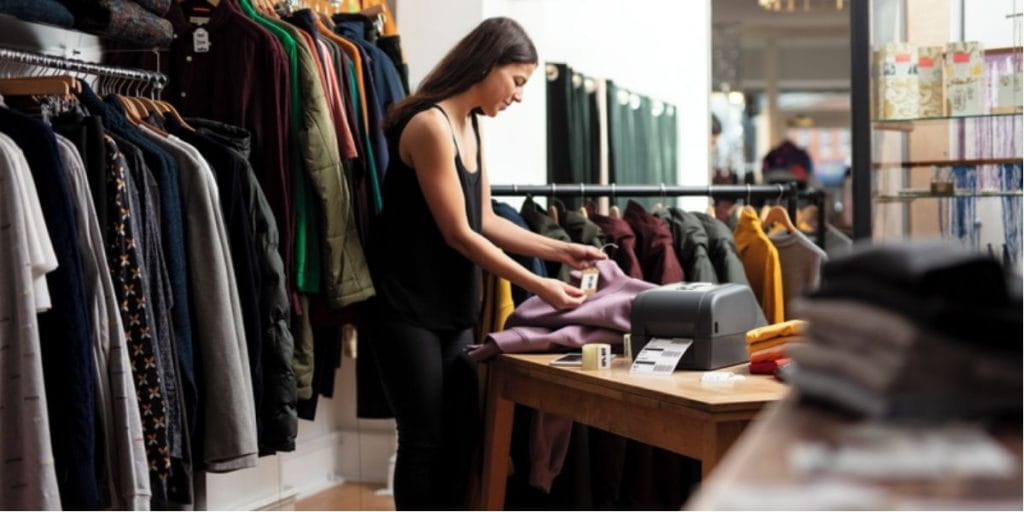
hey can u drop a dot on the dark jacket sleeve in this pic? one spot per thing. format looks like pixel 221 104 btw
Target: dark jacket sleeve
pixel 277 412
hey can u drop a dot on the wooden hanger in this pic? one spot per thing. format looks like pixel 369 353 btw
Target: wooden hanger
pixel 130 111
pixel 553 213
pixel 780 215
pixel 373 11
pixel 38 86
pixel 263 8
pixel 710 210
pixel 150 106
pixel 615 212
pixel 583 211
pixel 167 108
pixel 141 108
pixel 808 216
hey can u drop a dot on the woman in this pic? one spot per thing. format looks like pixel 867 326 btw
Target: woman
pixel 436 230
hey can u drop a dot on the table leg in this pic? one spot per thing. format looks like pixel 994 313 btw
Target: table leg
pixel 497 441
pixel 718 437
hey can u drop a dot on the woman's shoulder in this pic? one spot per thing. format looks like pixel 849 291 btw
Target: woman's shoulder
pixel 427 124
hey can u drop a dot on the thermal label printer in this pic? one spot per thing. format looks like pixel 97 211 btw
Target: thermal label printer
pixel 715 316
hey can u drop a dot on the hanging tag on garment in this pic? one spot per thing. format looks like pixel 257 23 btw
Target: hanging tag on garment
pixel 200 40
pixel 588 280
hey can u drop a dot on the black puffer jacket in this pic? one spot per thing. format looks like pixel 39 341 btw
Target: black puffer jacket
pixel 277 422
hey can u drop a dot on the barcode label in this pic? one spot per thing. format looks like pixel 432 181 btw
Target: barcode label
pixel 660 356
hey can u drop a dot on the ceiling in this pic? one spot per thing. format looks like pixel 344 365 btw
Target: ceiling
pixel 813 48
pixel 823 19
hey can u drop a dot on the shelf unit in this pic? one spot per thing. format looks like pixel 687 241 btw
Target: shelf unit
pixel 905 196
pixel 895 160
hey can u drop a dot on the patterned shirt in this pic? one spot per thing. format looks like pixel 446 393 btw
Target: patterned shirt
pixel 127 275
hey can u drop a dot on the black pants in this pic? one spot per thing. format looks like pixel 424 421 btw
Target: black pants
pixel 431 384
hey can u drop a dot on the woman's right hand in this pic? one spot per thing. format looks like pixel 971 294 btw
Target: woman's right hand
pixel 560 295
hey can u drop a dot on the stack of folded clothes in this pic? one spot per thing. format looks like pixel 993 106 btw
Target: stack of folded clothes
pixel 768 345
pixel 138 23
pixel 912 331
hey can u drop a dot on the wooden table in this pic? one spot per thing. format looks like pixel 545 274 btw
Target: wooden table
pixel 757 473
pixel 678 413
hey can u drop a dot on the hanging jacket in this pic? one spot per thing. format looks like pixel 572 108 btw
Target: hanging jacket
pixel 542 224
pixel 497 305
pixel 581 229
pixel 801 262
pixel 618 232
pixel 761 264
pixel 348 277
pixel 533 264
pixel 267 316
pixel 654 246
pixel 691 244
pixel 722 250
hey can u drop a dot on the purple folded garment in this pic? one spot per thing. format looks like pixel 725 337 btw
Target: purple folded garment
pixel 535 326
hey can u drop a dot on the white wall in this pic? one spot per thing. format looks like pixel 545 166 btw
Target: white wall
pixel 48 39
pixel 987 21
pixel 661 50
pixel 430 29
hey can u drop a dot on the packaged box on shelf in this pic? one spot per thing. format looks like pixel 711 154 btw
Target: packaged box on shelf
pixel 965 79
pixel 930 84
pixel 1009 94
pixel 898 85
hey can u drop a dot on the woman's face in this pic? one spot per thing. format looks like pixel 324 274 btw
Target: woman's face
pixel 503 86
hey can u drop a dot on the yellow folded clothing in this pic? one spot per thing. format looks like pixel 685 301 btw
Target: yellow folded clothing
pixel 758 346
pixel 790 328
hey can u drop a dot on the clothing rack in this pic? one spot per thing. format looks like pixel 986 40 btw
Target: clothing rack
pixel 789 192
pixel 157 80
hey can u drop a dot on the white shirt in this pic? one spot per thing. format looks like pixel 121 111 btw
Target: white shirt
pixel 26 254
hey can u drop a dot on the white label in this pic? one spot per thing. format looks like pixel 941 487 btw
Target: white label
pixel 201 40
pixel 660 356
pixel 588 280
pixel 199 20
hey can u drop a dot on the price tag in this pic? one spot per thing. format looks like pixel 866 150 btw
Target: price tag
pixel 588 280
pixel 201 40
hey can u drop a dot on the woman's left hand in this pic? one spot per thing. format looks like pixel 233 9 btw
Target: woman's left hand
pixel 579 256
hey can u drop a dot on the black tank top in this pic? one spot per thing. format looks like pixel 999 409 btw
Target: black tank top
pixel 418 276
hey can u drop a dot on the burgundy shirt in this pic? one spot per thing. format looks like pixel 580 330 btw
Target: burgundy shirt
pixel 240 77
pixel 654 245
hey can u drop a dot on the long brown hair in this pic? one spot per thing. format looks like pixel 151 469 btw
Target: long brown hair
pixel 494 42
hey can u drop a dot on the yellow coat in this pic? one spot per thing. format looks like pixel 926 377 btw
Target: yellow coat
pixel 761 262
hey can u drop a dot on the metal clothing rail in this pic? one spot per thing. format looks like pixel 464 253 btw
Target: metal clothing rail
pixel 780 191
pixel 158 80
pixel 788 192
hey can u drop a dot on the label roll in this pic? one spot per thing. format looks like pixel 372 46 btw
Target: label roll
pixel 597 356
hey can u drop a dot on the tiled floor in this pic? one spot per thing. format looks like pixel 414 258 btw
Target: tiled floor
pixel 349 496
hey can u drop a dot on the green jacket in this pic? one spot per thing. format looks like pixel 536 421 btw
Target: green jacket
pixel 347 276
